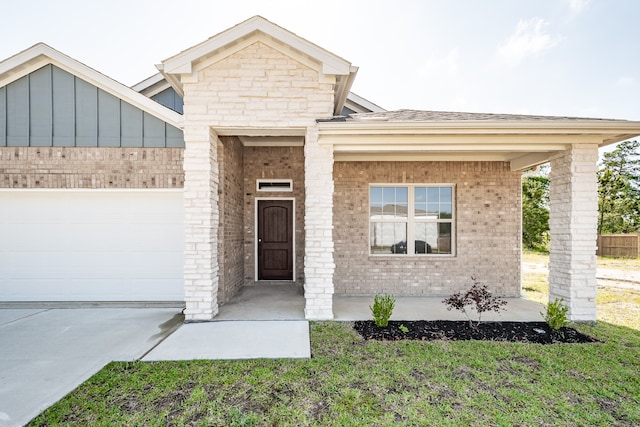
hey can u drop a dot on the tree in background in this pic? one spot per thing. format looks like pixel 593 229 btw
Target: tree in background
pixel 535 210
pixel 619 190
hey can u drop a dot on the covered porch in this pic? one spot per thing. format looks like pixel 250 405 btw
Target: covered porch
pixel 283 302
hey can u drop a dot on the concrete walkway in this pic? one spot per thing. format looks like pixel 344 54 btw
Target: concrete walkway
pixel 235 340
pixel 46 353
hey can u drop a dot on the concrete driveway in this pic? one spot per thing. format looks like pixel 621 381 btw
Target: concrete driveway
pixel 46 353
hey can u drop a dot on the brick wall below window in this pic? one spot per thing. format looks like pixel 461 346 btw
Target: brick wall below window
pixel 488 230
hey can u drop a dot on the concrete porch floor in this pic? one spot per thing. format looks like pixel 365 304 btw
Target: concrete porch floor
pixel 286 302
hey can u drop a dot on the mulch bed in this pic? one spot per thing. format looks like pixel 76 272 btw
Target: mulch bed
pixel 422 330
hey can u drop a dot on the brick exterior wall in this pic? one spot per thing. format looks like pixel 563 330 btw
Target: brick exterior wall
pixel 91 167
pixel 488 230
pixel 231 231
pixel 573 226
pixel 273 163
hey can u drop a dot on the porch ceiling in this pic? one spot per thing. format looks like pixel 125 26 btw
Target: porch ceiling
pixel 522 143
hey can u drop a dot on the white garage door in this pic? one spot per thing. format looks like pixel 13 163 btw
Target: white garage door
pixel 91 245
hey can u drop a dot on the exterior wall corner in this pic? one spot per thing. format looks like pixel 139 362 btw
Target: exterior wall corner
pixel 573 229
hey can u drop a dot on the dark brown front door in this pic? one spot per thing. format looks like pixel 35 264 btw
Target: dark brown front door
pixel 275 240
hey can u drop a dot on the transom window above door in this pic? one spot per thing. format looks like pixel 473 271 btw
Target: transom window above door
pixel 411 219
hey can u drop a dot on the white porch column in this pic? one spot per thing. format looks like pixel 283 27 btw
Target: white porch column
pixel 318 225
pixel 573 227
pixel 201 223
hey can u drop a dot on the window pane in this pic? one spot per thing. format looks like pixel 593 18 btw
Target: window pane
pixel 444 238
pixel 401 194
pixel 445 194
pixel 420 194
pixel 445 211
pixel 432 210
pixel 433 194
pixel 420 210
pixel 389 195
pixel 388 237
pixel 433 238
pixel 376 195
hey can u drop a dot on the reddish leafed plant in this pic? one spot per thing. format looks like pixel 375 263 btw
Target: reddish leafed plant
pixel 479 297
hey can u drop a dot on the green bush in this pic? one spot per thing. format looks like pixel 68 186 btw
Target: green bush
pixel 382 308
pixel 556 314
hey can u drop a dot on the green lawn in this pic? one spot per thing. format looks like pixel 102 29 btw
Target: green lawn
pixel 351 382
pixel 619 306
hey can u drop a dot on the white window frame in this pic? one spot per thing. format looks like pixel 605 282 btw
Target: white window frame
pixel 274 181
pixel 411 219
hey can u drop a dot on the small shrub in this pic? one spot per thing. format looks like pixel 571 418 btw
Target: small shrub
pixel 477 296
pixel 403 329
pixel 382 308
pixel 556 314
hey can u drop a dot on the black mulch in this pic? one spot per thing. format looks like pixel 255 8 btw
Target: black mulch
pixel 421 330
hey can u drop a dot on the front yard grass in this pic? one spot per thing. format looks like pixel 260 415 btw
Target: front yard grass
pixel 352 382
pixel 616 305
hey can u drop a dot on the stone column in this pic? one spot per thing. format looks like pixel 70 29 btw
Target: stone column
pixel 318 226
pixel 201 218
pixel 573 227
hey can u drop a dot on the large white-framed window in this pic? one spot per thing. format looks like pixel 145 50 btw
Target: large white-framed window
pixel 412 219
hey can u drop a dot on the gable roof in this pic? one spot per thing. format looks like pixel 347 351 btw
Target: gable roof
pixel 247 32
pixel 39 55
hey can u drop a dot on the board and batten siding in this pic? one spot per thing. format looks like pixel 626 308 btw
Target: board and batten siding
pixel 53 108
pixel 170 99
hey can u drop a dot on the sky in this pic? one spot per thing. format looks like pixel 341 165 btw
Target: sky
pixel 576 58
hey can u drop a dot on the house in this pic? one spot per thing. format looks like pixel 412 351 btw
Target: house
pixel 246 161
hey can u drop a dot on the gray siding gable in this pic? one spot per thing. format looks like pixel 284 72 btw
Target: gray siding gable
pixel 170 99
pixel 51 107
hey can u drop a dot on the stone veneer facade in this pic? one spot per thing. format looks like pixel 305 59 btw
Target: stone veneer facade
pixel 487 233
pixel 255 87
pixel 90 167
pixel 573 227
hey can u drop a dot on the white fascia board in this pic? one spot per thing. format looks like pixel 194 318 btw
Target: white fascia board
pixel 182 63
pixel 363 103
pixel 41 54
pixel 482 126
pixel 529 160
pixel 152 85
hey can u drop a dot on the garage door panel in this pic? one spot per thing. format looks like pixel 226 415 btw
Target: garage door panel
pixel 34 264
pixel 163 265
pixel 91 245
pixel 44 237
pixel 164 289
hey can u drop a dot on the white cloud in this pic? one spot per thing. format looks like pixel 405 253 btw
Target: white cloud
pixel 577 6
pixel 529 38
pixel 626 81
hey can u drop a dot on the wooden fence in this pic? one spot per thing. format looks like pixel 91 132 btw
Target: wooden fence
pixel 619 245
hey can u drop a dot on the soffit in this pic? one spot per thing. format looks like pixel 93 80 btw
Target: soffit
pixel 523 143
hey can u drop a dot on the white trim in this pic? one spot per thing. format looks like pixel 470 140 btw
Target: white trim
pixel 275 181
pixel 255 239
pixel 39 55
pixel 411 221
pixel 182 63
pixel 360 105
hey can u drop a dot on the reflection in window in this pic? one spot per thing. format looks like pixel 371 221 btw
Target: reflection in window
pixel 412 219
